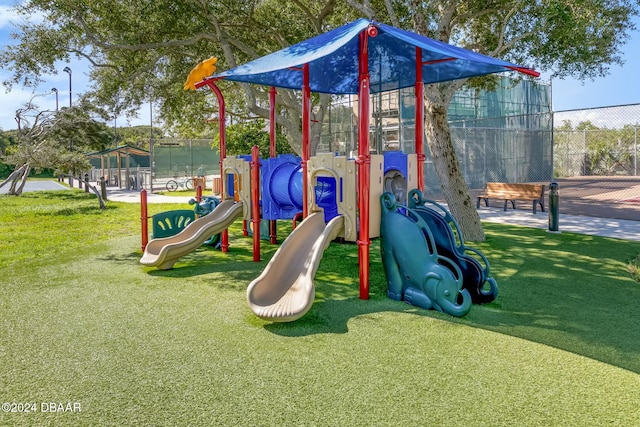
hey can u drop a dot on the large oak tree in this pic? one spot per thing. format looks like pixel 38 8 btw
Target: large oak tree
pixel 142 50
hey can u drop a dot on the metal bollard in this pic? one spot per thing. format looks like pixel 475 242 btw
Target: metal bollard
pixel 554 205
pixel 103 188
pixel 86 182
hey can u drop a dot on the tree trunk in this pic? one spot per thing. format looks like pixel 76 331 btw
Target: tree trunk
pixel 23 179
pixel 454 188
pixel 13 177
pixel 17 176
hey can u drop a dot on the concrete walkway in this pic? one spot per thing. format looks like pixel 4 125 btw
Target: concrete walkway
pixel 132 196
pixel 37 186
pixel 606 227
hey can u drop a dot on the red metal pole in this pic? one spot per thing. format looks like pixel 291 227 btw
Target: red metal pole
pixel 144 218
pixel 223 151
pixel 364 164
pixel 306 124
pixel 272 121
pixel 273 231
pixel 255 200
pixel 199 193
pixel 419 120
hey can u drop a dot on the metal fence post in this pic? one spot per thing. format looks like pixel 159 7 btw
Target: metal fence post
pixel 635 151
pixel 554 202
pixel 103 188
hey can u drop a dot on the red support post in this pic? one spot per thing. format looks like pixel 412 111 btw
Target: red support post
pixel 306 125
pixel 273 231
pixel 255 200
pixel 419 113
pixel 272 121
pixel 199 193
pixel 144 218
pixel 364 162
pixel 223 150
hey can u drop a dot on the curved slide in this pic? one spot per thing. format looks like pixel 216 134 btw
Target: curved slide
pixel 163 253
pixel 284 291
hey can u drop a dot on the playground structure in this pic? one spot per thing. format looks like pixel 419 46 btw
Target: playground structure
pixel 340 196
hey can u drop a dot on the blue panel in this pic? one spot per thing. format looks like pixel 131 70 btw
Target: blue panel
pixel 395 160
pixel 281 187
pixel 326 196
pixel 230 187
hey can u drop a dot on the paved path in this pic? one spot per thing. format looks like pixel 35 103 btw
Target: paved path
pixel 129 196
pixel 606 227
pixel 37 186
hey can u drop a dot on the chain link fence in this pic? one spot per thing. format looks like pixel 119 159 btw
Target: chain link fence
pixel 183 158
pixel 597 141
pixel 500 155
pixel 504 135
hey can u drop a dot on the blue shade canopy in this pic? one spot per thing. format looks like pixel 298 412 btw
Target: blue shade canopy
pixel 333 61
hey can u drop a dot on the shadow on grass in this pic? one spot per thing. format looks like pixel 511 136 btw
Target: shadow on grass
pixel 567 291
pixel 236 265
pixel 332 316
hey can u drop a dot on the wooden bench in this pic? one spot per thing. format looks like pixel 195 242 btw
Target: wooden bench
pixel 513 192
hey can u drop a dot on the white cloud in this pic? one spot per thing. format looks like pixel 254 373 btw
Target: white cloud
pixel 8 16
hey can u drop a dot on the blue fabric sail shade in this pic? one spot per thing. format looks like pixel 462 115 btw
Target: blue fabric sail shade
pixel 333 61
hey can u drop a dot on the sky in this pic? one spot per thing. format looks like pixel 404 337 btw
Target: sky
pixel 618 88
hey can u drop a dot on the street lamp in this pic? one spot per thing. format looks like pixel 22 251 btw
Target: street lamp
pixel 68 70
pixel 54 90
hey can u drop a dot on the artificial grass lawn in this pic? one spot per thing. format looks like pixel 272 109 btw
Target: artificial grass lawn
pixel 82 321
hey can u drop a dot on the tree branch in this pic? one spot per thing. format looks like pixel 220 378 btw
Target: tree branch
pixel 505 24
pixel 364 8
pixel 392 13
pixel 196 38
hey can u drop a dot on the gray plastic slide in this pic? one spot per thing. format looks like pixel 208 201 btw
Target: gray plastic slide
pixel 284 291
pixel 163 253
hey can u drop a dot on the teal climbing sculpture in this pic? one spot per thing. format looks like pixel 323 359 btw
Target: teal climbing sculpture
pixel 415 272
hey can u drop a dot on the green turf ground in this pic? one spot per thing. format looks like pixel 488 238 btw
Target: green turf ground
pixel 81 321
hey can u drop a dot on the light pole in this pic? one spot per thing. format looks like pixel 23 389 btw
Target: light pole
pixel 68 70
pixel 54 90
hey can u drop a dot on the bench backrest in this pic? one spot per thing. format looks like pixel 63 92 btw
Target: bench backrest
pixel 523 190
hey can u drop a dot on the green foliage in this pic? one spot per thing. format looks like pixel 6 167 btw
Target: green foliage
pixel 58 140
pixel 137 136
pixel 5 141
pixel 5 170
pixel 608 151
pixel 241 137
